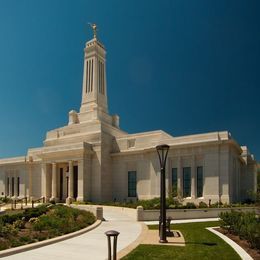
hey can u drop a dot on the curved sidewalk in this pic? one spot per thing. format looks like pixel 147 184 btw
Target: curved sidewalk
pixel 91 245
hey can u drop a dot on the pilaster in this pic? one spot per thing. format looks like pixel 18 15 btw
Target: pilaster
pixel 54 182
pixel 180 181
pixel 80 180
pixel 70 198
pixel 15 186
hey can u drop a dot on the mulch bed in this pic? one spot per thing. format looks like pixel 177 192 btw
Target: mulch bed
pixel 254 253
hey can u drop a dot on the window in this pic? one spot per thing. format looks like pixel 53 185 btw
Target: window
pixel 174 182
pixel 18 186
pixel 87 76
pixel 186 182
pixel 132 184
pixel 8 183
pixel 199 181
pixel 12 193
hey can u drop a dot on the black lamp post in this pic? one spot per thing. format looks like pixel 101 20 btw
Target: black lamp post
pixel 162 151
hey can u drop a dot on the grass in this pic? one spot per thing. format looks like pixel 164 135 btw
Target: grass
pixel 200 244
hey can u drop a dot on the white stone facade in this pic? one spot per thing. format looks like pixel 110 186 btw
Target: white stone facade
pixel 92 159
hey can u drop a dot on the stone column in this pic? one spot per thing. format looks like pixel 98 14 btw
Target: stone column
pixel 30 196
pixel 44 180
pixel 70 198
pixel 193 177
pixel 6 185
pixel 64 195
pixel 10 185
pixel 180 181
pixel 80 180
pixel 54 182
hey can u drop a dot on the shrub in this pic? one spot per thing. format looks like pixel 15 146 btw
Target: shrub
pixel 25 239
pixel 35 212
pixel 5 200
pixel 62 219
pixel 15 242
pixel 203 205
pixel 46 222
pixel 215 205
pixel 9 229
pixel 10 219
pixel 19 224
pixel 4 244
pixel 190 205
pixel 244 224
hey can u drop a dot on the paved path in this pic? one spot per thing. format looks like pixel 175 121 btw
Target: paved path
pixel 91 245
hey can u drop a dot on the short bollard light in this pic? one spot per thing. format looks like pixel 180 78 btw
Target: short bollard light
pixel 114 234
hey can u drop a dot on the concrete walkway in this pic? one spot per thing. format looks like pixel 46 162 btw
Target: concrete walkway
pixel 91 245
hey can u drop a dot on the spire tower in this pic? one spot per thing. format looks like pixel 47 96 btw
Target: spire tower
pixel 94 87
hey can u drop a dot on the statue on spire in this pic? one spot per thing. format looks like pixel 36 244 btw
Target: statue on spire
pixel 94 28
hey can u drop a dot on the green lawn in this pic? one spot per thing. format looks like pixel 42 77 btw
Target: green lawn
pixel 200 244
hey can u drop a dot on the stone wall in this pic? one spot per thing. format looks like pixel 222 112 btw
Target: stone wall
pixel 151 215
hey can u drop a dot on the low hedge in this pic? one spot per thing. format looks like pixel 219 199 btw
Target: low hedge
pixel 171 203
pixel 244 224
pixel 26 215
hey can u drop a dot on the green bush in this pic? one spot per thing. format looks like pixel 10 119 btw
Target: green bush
pixel 19 224
pixel 43 222
pixel 10 219
pixel 5 200
pixel 16 242
pixel 62 220
pixel 35 212
pixel 9 229
pixel 244 224
pixel 203 205
pixel 4 244
pixel 190 205
pixel 25 239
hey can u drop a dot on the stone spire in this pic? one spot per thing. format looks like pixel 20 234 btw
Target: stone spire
pixel 94 87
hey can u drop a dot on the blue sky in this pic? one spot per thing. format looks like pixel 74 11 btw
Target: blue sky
pixel 185 67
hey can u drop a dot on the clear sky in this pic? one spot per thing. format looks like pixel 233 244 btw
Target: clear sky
pixel 185 67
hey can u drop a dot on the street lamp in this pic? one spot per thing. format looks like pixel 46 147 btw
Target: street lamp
pixel 162 151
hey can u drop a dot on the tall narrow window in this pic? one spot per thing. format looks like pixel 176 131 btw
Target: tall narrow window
pixel 174 182
pixel 99 76
pixel 186 182
pixel 132 184
pixel 12 192
pixel 89 65
pixel 91 84
pixel 103 78
pixel 18 186
pixel 199 181
pixel 87 76
pixel 8 183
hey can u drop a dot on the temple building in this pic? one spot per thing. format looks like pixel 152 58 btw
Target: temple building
pixel 92 159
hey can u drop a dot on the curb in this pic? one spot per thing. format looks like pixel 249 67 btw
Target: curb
pixel 50 241
pixel 239 250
